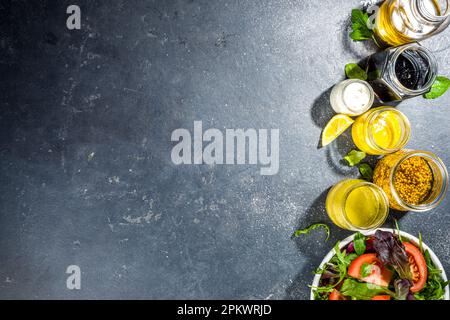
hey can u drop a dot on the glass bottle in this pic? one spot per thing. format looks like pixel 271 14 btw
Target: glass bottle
pixel 404 21
pixel 385 175
pixel 402 72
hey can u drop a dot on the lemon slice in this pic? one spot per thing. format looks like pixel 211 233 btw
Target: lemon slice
pixel 335 127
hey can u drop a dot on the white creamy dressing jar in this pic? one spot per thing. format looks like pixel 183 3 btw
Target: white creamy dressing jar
pixel 352 97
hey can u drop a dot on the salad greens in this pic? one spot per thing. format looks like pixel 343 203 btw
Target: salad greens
pixel 434 287
pixel 333 272
pixel 361 290
pixel 391 251
pixel 402 287
pixel 359 243
pixel 312 227
pixel 382 264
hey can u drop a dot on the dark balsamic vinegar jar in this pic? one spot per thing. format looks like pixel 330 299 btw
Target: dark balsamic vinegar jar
pixel 401 72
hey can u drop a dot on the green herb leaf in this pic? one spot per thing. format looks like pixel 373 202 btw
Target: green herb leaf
pixel 361 291
pixel 434 288
pixel 366 269
pixel 337 266
pixel 353 71
pixel 398 230
pixel 439 87
pixel 299 232
pixel 350 257
pixel 366 171
pixel 359 242
pixel 354 157
pixel 420 242
pixel 360 29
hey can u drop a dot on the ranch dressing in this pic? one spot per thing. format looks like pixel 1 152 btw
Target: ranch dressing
pixel 352 97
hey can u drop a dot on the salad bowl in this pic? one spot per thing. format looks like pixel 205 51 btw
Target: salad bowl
pixel 414 240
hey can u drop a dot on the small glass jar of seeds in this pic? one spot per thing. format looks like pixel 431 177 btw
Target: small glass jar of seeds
pixel 413 180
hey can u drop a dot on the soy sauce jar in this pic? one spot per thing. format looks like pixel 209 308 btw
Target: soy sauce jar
pixel 401 72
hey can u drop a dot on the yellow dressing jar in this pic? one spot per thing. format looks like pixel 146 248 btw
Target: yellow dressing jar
pixel 355 204
pixel 403 21
pixel 381 131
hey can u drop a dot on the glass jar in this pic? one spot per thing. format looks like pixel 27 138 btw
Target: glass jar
pixel 352 97
pixel 403 72
pixel 412 180
pixel 404 21
pixel 357 205
pixel 381 131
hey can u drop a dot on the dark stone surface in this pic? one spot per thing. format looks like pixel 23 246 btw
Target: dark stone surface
pixel 85 168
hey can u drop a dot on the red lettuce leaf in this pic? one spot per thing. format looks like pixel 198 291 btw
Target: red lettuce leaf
pixel 391 251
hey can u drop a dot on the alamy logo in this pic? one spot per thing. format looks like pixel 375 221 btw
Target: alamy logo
pixel 236 146
pixel 74 280
pixel 74 20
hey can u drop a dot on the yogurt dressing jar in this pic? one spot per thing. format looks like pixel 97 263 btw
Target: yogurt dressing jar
pixel 352 97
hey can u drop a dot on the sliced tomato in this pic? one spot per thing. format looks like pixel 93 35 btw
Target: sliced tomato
pixel 379 274
pixel 336 295
pixel 383 297
pixel 418 267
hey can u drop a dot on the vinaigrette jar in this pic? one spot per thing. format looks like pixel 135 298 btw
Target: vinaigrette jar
pixel 404 21
pixel 381 131
pixel 357 205
pixel 413 180
pixel 402 72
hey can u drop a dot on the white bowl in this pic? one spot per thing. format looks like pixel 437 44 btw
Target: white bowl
pixel 412 238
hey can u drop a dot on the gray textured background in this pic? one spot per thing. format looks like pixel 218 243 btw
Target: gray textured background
pixel 85 169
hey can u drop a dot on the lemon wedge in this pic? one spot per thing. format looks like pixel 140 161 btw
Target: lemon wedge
pixel 335 127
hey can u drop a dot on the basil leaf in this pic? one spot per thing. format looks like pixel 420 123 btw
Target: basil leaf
pixel 366 171
pixel 307 230
pixel 361 291
pixel 366 269
pixel 353 71
pixel 354 157
pixel 439 87
pixel 350 257
pixel 360 29
pixel 359 242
